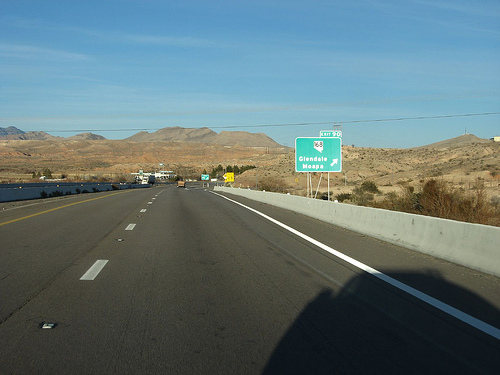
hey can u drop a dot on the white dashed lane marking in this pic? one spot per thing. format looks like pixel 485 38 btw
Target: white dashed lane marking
pixel 94 270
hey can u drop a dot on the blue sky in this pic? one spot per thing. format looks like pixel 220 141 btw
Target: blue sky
pixel 113 67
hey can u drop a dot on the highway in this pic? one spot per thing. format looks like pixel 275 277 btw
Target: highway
pixel 169 280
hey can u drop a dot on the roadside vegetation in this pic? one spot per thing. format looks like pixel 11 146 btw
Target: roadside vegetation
pixel 433 197
pixel 47 173
pixel 273 184
pixel 218 171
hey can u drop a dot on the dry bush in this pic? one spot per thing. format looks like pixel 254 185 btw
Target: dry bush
pixel 274 184
pixel 437 199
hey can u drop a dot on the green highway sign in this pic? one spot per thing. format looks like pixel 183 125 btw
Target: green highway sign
pixel 205 177
pixel 318 154
pixel 331 133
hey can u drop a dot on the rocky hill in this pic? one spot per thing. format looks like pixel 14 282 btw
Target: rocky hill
pixel 205 136
pixel 175 134
pixel 170 134
pixel 11 130
pixel 457 142
pixel 14 133
pixel 87 136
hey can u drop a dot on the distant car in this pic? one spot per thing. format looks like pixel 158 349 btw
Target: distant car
pixel 181 183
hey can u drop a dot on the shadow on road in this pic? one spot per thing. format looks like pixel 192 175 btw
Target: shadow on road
pixel 372 327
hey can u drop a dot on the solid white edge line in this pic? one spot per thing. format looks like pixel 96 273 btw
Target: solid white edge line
pixel 450 310
pixel 94 270
pixel 130 227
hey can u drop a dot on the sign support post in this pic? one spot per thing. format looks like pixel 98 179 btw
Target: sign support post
pixel 328 194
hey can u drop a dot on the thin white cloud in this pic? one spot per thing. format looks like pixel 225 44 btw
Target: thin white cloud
pixel 38 53
pixel 166 40
pixel 468 8
pixel 466 17
pixel 116 36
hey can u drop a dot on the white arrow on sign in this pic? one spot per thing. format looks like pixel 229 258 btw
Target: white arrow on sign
pixel 334 162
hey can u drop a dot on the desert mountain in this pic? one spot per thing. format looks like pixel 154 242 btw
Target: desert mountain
pixel 245 139
pixel 33 136
pixel 14 133
pixel 87 137
pixel 460 141
pixel 175 134
pixel 170 134
pixel 11 130
pixel 206 136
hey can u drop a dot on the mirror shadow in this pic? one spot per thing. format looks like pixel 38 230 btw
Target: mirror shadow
pixel 371 327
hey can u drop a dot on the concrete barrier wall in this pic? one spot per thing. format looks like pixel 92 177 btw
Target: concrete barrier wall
pixel 472 245
pixel 19 194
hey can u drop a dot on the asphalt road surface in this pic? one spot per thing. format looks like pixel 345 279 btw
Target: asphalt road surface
pixel 184 281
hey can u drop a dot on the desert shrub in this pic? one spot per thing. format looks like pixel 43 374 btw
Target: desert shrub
pixel 324 196
pixel 47 173
pixel 369 187
pixel 343 197
pixel 495 202
pixel 406 201
pixel 438 199
pixel 273 184
pixel 246 168
pixel 43 194
pixel 361 197
pixel 364 194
